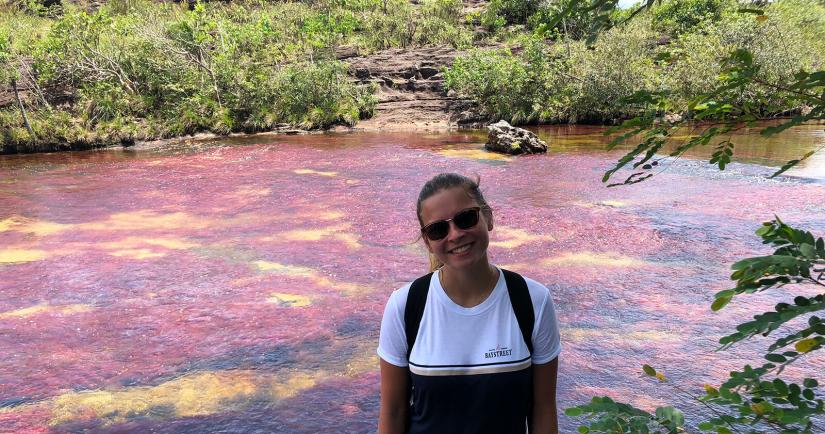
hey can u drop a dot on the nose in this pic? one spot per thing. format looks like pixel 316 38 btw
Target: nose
pixel 454 232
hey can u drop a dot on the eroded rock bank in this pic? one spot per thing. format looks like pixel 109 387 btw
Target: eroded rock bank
pixel 410 90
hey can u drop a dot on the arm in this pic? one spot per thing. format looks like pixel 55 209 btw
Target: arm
pixel 545 418
pixel 395 400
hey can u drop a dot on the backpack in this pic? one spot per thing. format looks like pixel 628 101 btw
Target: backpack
pixel 516 288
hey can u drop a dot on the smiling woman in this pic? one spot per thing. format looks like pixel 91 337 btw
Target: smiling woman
pixel 474 349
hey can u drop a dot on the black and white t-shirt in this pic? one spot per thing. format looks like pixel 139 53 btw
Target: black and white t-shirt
pixel 470 367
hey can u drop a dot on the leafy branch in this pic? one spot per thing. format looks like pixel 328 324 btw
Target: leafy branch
pixel 753 396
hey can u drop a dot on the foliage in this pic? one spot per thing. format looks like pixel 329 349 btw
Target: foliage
pixel 749 84
pixel 502 83
pixel 140 70
pixel 575 25
pixel 616 76
pixel 397 23
pixel 681 16
pixel 558 83
pixel 501 12
pixel 754 399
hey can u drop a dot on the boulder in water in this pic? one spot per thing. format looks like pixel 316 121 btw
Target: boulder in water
pixel 503 137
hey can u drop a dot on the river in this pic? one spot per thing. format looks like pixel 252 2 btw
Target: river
pixel 237 285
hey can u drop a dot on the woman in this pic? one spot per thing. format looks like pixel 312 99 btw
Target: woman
pixel 471 367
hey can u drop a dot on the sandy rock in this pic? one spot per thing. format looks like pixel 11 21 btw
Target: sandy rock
pixel 505 138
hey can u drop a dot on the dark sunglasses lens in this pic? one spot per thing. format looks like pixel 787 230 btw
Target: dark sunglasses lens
pixel 437 230
pixel 466 219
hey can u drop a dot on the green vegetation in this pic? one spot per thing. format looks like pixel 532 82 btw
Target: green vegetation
pixel 137 69
pixel 751 81
pixel 754 399
pixel 673 49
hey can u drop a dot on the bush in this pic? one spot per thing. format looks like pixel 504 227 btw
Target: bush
pixel 501 12
pixel 498 81
pixel 578 83
pixel 138 69
pixel 676 17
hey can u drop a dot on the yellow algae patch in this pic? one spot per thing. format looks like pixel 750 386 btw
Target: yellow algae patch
pixel 475 154
pixel 334 232
pixel 252 191
pixel 330 215
pixel 137 253
pixel 288 300
pixel 365 361
pixel 46 308
pixel 11 256
pixel 170 243
pixel 515 237
pixel 314 172
pixel 310 274
pixel 293 385
pixel 289 270
pixel 614 203
pixel 147 220
pixel 610 203
pixel 588 335
pixel 31 226
pixel 589 258
pixel 192 395
pixel 141 248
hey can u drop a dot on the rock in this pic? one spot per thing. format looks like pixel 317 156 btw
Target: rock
pixel 503 137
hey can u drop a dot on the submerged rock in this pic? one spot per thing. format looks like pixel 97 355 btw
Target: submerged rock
pixel 503 137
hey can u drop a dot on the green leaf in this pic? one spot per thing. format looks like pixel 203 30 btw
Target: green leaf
pixel 649 370
pixel 810 382
pixel 671 415
pixel 573 411
pixel 719 303
pixel 778 358
pixel 808 250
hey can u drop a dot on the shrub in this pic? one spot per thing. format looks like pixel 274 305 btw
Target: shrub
pixel 676 17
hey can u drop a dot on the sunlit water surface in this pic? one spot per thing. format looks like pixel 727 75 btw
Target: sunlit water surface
pixel 237 285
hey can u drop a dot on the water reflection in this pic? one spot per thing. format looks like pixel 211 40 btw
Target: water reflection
pixel 238 285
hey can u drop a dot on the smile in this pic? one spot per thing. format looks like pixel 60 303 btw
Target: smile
pixel 461 249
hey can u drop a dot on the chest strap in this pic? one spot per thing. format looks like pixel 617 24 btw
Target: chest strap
pixel 516 289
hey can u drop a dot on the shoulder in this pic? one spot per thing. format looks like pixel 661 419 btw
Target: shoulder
pixel 398 299
pixel 539 293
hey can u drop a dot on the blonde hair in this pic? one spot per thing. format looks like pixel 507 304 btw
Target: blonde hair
pixel 443 181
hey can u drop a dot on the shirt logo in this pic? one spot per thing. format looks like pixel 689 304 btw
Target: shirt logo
pixel 498 351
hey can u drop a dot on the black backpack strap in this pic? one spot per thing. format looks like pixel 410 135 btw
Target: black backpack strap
pixel 522 305
pixel 416 299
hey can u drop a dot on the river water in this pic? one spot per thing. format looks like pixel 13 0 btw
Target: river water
pixel 237 285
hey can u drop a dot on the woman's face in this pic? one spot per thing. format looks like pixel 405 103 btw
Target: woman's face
pixel 461 248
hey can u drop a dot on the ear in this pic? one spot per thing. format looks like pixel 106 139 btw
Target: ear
pixel 489 218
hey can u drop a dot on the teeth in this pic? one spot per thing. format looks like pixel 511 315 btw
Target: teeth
pixel 461 249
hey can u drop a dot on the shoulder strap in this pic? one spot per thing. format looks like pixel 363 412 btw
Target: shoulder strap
pixel 416 299
pixel 522 305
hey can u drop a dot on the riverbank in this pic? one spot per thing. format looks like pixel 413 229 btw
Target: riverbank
pixel 135 71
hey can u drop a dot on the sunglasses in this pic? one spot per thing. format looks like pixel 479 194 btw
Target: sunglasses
pixel 465 219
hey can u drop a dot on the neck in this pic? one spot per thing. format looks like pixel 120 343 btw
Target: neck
pixel 469 286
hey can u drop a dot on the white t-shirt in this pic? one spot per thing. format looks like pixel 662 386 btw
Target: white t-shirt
pixel 457 340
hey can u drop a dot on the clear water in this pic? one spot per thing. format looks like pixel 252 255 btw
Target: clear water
pixel 237 285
